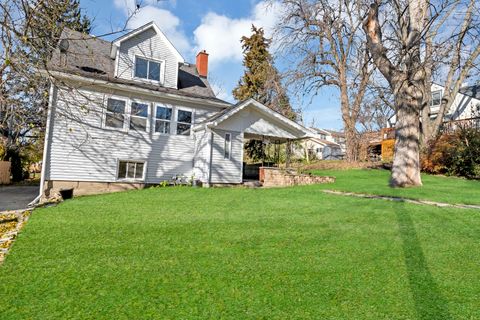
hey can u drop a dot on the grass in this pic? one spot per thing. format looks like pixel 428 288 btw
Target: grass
pixel 232 253
pixel 374 181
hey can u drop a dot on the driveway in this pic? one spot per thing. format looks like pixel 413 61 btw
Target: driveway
pixel 17 197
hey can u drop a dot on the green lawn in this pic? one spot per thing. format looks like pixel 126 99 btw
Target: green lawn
pixel 291 253
pixel 375 181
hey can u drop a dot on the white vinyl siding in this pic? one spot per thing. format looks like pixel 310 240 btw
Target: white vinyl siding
pixel 226 170
pixel 82 149
pixel 148 45
pixel 202 155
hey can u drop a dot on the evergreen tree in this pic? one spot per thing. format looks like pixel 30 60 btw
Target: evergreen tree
pixel 262 82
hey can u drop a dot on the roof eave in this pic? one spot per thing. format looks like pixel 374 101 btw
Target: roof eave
pixel 130 88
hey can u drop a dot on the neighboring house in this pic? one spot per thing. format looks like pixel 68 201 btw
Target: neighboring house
pixel 465 110
pixel 327 145
pixel 132 112
pixel 339 138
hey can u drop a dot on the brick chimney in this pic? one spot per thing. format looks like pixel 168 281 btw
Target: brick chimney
pixel 202 63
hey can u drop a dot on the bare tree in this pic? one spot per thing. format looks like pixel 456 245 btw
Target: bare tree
pixel 29 34
pixel 325 46
pixel 452 50
pixel 406 56
pixel 29 31
pixel 377 108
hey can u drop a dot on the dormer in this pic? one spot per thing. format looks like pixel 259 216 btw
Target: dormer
pixel 146 55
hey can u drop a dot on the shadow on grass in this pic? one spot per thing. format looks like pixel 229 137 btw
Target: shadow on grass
pixel 429 302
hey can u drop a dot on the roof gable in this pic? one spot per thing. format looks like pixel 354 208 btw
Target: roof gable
pixel 143 28
pixel 278 123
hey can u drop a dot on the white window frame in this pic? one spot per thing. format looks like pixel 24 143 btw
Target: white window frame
pixel 149 107
pixel 125 114
pixel 229 146
pixel 162 70
pixel 154 119
pixel 144 173
pixel 177 122
pixel 441 97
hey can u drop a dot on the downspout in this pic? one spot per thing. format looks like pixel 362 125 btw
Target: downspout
pixel 210 161
pixel 52 92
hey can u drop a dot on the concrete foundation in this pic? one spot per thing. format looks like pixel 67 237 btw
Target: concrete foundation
pixel 81 188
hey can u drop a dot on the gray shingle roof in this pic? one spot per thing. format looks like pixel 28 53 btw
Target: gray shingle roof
pixel 472 91
pixel 88 56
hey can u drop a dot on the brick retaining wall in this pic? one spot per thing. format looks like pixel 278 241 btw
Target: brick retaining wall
pixel 274 177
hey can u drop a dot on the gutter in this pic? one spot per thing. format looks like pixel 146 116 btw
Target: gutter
pixel 109 84
pixel 52 92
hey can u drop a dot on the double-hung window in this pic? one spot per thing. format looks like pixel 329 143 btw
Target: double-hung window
pixel 115 114
pixel 138 116
pixel 131 170
pixel 147 69
pixel 163 117
pixel 436 98
pixel 184 122
pixel 227 146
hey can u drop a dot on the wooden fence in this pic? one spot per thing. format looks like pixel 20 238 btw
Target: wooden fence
pixel 4 172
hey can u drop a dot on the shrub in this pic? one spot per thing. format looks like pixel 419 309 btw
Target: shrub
pixel 457 153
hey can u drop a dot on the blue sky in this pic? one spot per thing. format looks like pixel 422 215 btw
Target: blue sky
pixel 214 25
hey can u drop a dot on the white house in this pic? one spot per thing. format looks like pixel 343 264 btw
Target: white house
pixel 132 112
pixel 465 109
pixel 326 145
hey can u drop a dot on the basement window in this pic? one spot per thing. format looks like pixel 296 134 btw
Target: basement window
pixel 131 170
pixel 227 146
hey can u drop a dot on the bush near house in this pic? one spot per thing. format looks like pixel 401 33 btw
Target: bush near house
pixel 456 153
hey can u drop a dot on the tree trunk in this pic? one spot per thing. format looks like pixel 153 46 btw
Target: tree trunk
pixel 349 120
pixel 351 146
pixel 406 159
pixel 13 156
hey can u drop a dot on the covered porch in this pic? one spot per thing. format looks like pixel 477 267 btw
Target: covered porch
pixel 271 152
pixel 249 123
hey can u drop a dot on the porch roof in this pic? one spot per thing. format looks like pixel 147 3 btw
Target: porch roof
pixel 256 121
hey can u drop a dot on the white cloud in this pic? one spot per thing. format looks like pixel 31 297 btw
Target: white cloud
pixel 220 35
pixel 164 19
